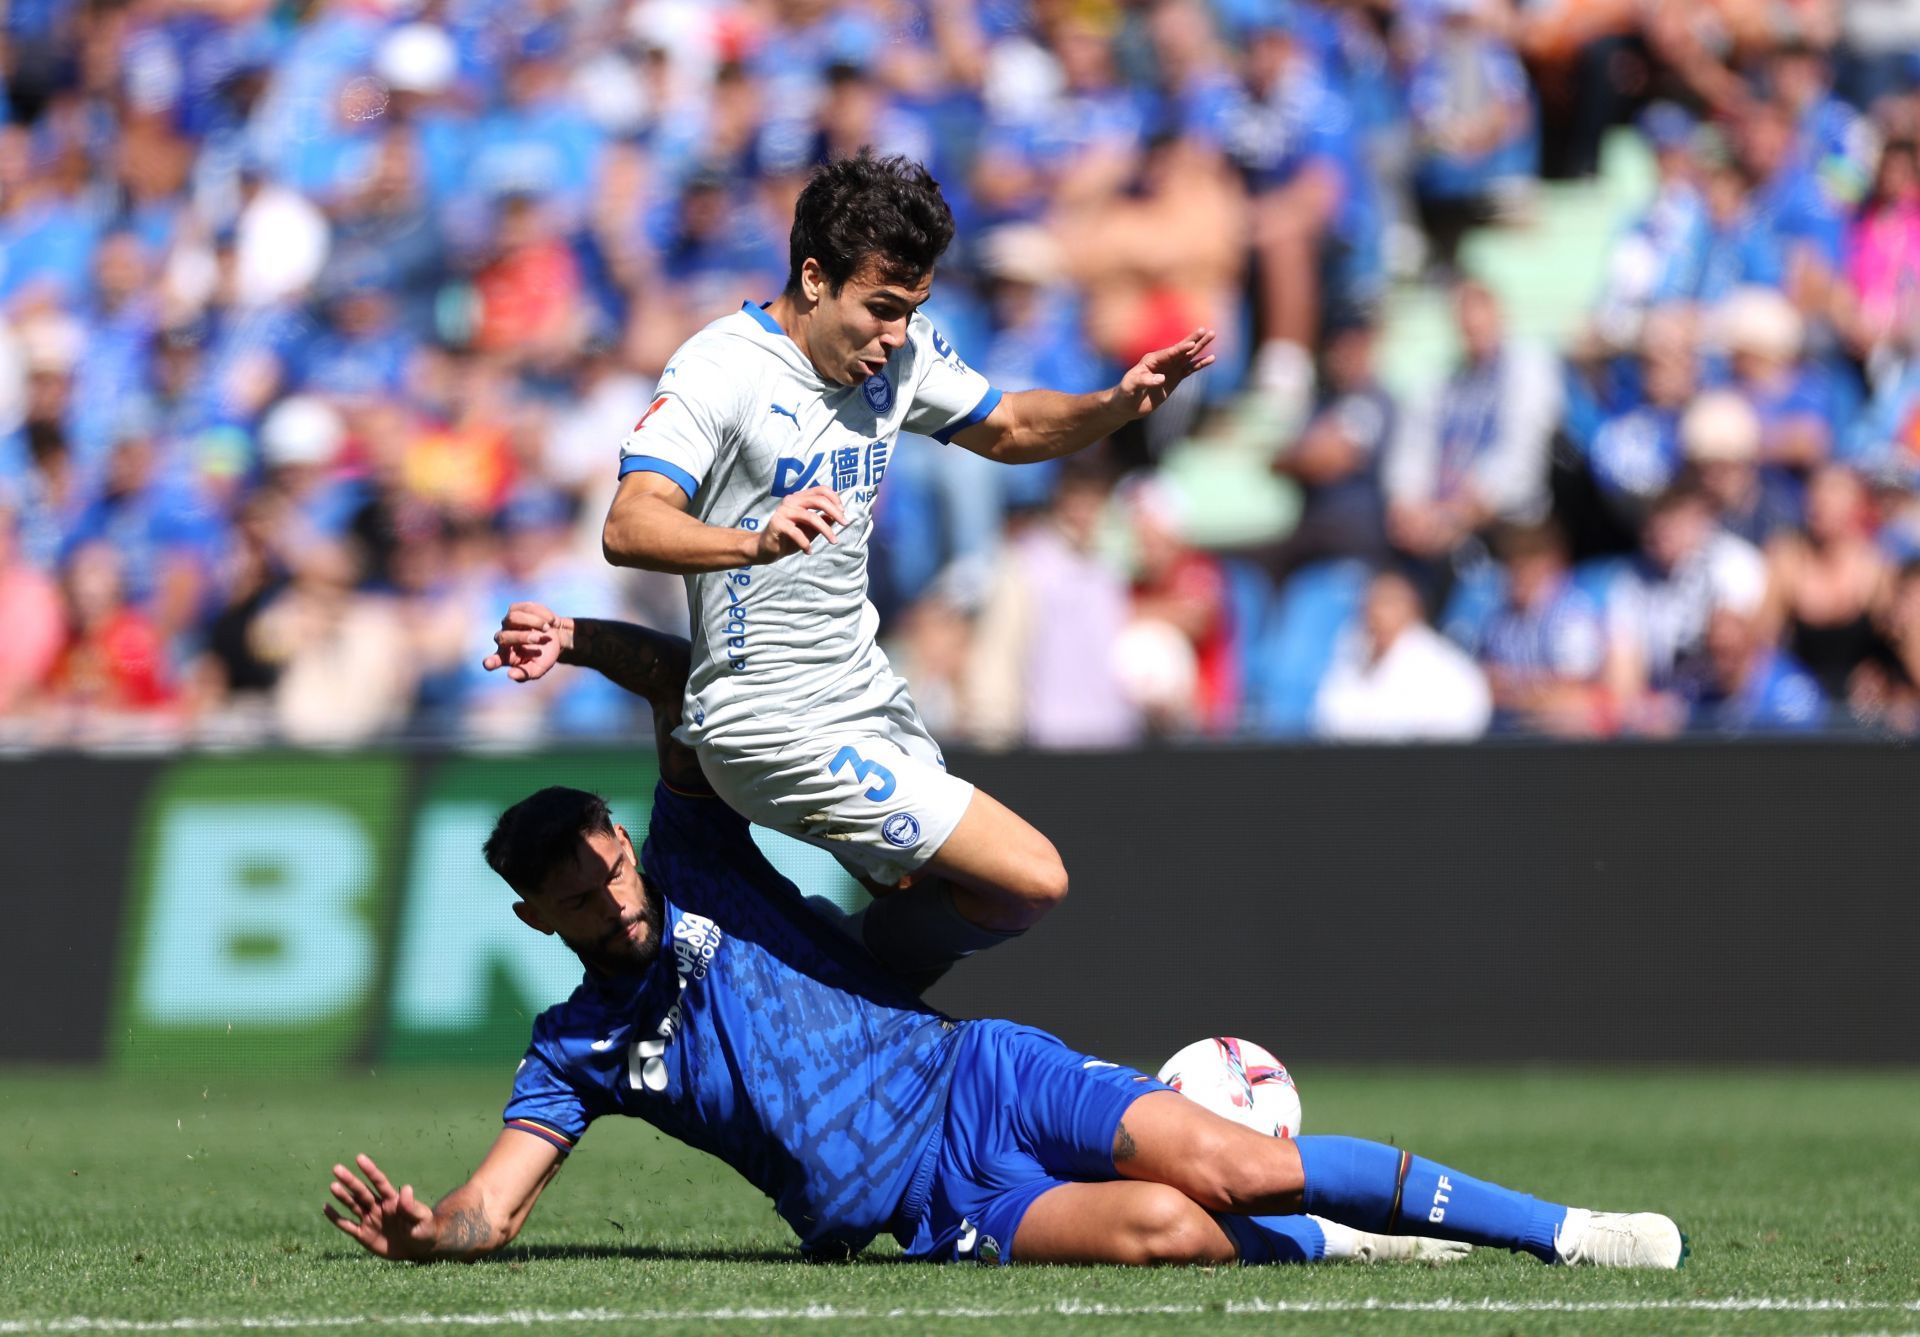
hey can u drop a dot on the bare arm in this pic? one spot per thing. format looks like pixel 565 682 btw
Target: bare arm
pixel 650 664
pixel 648 527
pixel 1035 425
pixel 482 1215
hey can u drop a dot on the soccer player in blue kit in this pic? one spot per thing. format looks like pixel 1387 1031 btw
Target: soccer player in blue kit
pixel 722 1010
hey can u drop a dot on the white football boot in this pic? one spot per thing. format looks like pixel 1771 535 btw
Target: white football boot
pixel 1619 1239
pixel 1344 1243
pixel 1408 1249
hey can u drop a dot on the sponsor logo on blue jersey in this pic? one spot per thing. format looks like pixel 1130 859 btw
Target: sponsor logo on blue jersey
pixel 879 393
pixel 901 829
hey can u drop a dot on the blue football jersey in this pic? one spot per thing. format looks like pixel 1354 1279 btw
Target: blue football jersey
pixel 760 1034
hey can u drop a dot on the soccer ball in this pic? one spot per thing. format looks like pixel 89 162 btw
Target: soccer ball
pixel 1237 1080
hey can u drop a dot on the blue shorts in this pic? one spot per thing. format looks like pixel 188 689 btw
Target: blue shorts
pixel 1025 1113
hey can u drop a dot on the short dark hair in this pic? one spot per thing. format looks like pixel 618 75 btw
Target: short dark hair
pixel 540 832
pixel 1686 489
pixel 860 209
pixel 1514 542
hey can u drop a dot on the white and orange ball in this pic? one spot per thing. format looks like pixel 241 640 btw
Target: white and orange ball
pixel 1237 1080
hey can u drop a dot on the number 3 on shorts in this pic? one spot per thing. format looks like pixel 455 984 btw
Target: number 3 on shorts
pixel 847 759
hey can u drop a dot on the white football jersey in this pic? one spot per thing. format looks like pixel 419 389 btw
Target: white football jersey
pixel 741 419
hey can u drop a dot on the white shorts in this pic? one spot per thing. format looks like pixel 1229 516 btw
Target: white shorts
pixel 874 792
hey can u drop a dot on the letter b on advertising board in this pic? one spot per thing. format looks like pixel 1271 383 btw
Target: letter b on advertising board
pixel 258 913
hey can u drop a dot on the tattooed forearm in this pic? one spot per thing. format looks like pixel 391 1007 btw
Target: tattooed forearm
pixel 646 663
pixel 464 1231
pixel 649 664
pixel 1123 1148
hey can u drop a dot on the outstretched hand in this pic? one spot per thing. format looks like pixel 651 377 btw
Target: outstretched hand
pixel 530 641
pixel 386 1222
pixel 1149 381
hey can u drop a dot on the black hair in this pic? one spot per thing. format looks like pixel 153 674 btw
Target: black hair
pixel 888 211
pixel 540 832
pixel 1511 541
pixel 1687 489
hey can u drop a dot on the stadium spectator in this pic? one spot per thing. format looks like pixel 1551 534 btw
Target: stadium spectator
pixel 1069 138
pixel 162 531
pixel 1338 460
pixel 1733 245
pixel 1038 338
pixel 35 615
pixel 1650 264
pixel 1884 692
pixel 1142 291
pixel 537 560
pixel 1545 648
pixel 280 242
pixel 1473 122
pixel 1789 199
pixel 1833 140
pixel 930 645
pixel 528 293
pixel 1880 49
pixel 1826 583
pixel 113 675
pixel 232 679
pixel 1396 678
pixel 1793 399
pixel 325 694
pixel 1042 667
pixel 1883 253
pixel 1475 452
pixel 1657 613
pixel 1187 681
pixel 1720 438
pixel 1751 685
pixel 1636 449
pixel 1295 141
pixel 1590 67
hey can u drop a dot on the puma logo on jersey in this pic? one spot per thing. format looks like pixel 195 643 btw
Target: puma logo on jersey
pixel 782 412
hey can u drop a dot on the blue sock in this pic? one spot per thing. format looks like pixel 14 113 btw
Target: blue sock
pixel 1275 1239
pixel 1371 1186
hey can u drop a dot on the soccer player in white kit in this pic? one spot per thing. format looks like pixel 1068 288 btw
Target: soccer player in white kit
pixel 754 474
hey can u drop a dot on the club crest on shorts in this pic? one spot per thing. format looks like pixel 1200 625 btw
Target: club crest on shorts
pixel 902 829
pixel 879 393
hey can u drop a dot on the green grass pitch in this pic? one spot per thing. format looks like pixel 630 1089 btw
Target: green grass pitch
pixel 164 1206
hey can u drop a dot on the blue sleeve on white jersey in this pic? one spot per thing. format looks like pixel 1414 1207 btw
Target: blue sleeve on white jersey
pixel 946 396
pixel 688 424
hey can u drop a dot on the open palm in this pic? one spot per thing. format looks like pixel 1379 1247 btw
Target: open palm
pixel 387 1222
pixel 1154 377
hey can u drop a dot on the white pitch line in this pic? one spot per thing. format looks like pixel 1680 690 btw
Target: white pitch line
pixel 527 1318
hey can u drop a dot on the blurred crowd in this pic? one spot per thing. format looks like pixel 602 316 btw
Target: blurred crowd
pixel 321 325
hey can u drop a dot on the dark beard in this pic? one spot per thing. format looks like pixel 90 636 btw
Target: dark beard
pixel 614 955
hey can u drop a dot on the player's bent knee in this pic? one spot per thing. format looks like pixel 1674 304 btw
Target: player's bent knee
pixel 1166 1226
pixel 1039 884
pixel 1049 883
